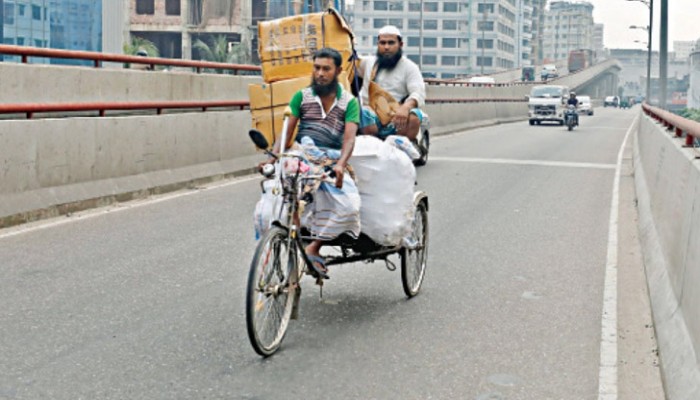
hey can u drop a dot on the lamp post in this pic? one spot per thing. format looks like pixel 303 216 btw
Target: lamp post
pixel 649 28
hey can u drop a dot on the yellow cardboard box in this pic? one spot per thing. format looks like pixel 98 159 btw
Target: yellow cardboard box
pixel 268 100
pixel 286 45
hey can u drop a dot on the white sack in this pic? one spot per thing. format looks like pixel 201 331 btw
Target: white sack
pixel 269 207
pixel 385 178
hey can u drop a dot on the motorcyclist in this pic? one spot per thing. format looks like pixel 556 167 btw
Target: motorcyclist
pixel 573 101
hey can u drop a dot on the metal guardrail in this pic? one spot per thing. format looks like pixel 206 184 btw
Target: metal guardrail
pixel 98 58
pixel 449 82
pixel 29 109
pixel 682 127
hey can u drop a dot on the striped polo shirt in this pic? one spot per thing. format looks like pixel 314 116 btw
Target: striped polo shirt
pixel 326 130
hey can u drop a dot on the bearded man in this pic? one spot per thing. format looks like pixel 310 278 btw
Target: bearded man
pixel 328 118
pixel 399 76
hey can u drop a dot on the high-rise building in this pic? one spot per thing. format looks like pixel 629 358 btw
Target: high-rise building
pixel 26 23
pixel 524 29
pixel 568 26
pixel 682 49
pixel 448 38
pixel 598 44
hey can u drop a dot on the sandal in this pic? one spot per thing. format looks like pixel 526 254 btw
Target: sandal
pixel 321 271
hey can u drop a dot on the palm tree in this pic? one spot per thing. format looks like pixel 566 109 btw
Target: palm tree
pixel 218 50
pixel 139 43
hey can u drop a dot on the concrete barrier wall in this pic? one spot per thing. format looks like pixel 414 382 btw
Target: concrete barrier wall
pixel 667 177
pixel 53 166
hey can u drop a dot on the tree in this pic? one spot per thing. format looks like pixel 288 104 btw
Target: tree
pixel 219 50
pixel 139 43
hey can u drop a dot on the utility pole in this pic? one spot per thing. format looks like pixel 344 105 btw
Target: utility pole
pixel 483 36
pixel 663 56
pixel 420 39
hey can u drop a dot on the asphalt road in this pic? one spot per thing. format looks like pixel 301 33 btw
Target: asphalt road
pixel 146 300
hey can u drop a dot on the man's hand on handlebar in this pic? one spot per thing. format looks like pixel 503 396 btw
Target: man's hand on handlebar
pixel 264 163
pixel 338 171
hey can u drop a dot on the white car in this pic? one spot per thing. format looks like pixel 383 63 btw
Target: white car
pixel 584 105
pixel 482 80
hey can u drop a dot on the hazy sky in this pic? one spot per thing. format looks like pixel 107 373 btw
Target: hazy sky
pixel 618 15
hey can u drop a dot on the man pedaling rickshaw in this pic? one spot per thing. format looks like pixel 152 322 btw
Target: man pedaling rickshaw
pixel 328 118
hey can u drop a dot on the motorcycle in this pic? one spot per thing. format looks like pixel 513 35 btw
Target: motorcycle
pixel 570 117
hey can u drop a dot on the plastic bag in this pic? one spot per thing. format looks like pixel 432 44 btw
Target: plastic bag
pixel 269 207
pixel 385 178
pixel 402 143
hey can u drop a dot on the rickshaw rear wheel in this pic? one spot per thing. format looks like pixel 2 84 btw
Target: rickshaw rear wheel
pixel 414 259
pixel 272 285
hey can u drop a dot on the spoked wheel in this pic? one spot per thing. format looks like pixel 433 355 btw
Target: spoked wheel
pixel 272 284
pixel 415 258
pixel 423 148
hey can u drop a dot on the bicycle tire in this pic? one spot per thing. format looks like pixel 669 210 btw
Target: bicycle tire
pixel 272 284
pixel 414 262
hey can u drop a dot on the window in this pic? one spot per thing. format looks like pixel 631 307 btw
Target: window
pixel 485 61
pixel 449 60
pixel 489 8
pixel 381 6
pixel 397 22
pixel 396 5
pixel 36 12
pixel 9 13
pixel 414 58
pixel 145 7
pixel 430 42
pixel 172 7
pixel 430 60
pixel 449 7
pixel 413 24
pixel 38 42
pixel 486 26
pixel 20 41
pixel 20 11
pixel 414 6
pixel 380 22
pixel 8 40
pixel 449 43
pixel 413 41
pixel 430 24
pixel 430 7
pixel 449 25
pixel 448 75
pixel 486 44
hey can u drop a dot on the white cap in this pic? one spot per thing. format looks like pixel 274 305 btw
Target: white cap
pixel 390 30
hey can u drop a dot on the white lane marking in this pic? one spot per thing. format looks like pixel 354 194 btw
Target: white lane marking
pixel 92 213
pixel 607 378
pixel 540 163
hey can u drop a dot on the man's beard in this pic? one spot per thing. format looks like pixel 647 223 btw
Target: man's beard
pixel 324 90
pixel 388 62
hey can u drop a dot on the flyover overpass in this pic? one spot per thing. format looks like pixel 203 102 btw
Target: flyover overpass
pixel 55 166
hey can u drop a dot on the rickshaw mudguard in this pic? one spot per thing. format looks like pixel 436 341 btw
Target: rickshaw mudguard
pixel 420 197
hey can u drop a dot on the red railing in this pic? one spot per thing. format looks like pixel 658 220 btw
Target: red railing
pixel 499 100
pixel 675 123
pixel 29 109
pixel 98 58
pixel 458 82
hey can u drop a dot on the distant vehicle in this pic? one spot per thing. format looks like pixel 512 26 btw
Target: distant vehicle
pixel 528 74
pixel 580 59
pixel 549 71
pixel 584 105
pixel 611 101
pixel 484 80
pixel 547 103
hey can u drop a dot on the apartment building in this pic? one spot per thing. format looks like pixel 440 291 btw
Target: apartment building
pixel 537 29
pixel 174 25
pixel 26 23
pixel 568 26
pixel 524 26
pixel 682 49
pixel 447 38
pixel 598 44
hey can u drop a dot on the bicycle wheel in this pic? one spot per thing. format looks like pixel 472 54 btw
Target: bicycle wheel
pixel 272 284
pixel 415 259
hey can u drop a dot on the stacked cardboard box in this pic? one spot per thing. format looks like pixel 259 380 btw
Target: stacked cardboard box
pixel 286 47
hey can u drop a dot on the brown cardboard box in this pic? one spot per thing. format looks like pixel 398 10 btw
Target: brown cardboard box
pixel 268 101
pixel 286 45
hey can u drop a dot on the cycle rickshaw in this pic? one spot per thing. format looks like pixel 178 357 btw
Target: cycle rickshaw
pixel 279 263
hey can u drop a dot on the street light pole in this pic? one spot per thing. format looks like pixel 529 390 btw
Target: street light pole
pixel 663 54
pixel 650 29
